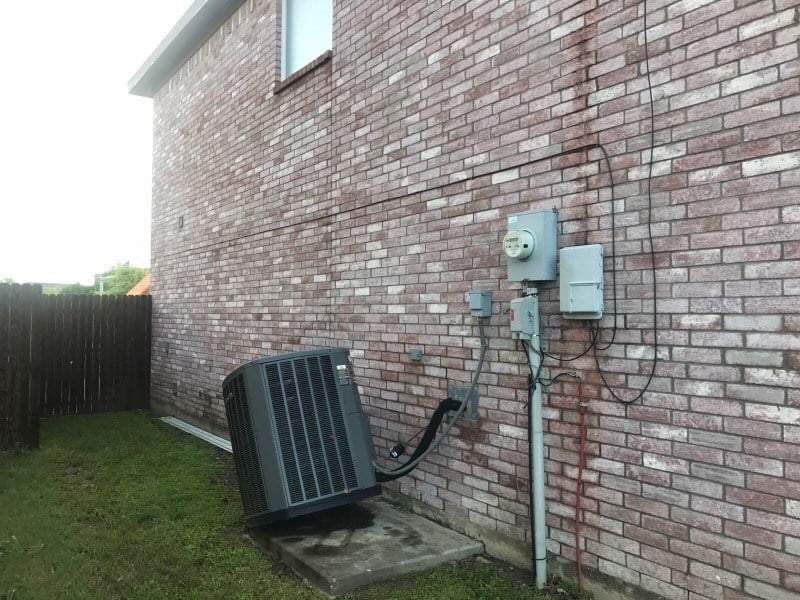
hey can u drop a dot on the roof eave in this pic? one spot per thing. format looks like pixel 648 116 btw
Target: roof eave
pixel 199 22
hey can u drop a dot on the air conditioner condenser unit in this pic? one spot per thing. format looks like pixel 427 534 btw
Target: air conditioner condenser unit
pixel 301 442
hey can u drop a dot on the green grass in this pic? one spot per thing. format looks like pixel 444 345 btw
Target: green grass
pixel 122 506
pixel 467 580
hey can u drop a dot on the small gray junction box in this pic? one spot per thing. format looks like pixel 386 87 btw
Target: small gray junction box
pixel 523 319
pixel 480 304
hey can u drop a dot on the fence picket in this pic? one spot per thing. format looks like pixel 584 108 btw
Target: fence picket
pixel 124 391
pixel 20 389
pixel 117 323
pixel 5 365
pixel 85 303
pixel 93 352
pixel 106 374
pixel 36 332
pixel 58 356
pixel 18 361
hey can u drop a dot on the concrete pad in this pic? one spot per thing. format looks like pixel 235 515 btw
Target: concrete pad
pixel 351 546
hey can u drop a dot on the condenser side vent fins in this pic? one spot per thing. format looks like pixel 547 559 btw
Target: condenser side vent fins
pixel 245 452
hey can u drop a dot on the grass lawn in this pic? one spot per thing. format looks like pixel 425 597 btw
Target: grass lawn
pixel 123 506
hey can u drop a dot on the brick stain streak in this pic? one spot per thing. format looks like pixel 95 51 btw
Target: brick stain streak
pixel 357 207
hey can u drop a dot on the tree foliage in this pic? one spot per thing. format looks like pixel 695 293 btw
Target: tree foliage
pixel 75 289
pixel 117 280
pixel 120 279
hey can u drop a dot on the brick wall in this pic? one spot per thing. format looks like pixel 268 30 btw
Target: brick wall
pixel 358 206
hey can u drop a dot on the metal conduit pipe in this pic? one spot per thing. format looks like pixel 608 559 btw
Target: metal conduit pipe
pixel 536 437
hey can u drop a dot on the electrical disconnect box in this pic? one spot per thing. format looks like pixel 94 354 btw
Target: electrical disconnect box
pixel 581 282
pixel 530 246
pixel 524 318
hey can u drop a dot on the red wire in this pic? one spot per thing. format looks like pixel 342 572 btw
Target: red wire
pixel 579 484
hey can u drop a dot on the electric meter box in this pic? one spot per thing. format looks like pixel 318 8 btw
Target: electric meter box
pixel 523 319
pixel 530 246
pixel 581 282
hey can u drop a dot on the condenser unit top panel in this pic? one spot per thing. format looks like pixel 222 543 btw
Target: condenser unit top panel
pixel 289 356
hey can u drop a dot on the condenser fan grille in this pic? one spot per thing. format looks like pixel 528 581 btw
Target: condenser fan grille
pixel 313 441
pixel 251 485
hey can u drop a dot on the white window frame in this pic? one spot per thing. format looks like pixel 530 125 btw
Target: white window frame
pixel 320 34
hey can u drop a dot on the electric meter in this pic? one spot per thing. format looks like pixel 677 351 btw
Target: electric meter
pixel 519 245
pixel 530 246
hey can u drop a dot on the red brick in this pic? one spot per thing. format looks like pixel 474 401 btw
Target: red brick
pixel 772 558
pixel 751 569
pixel 757 535
pixel 774 485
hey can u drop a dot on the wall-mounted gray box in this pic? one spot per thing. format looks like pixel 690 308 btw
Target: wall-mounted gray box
pixel 530 246
pixel 524 318
pixel 581 282
pixel 480 303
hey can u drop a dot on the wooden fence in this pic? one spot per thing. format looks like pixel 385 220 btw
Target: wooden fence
pixel 62 355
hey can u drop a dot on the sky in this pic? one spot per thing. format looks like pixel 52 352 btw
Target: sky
pixel 75 147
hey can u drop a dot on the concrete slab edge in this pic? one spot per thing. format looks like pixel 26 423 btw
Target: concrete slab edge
pixel 307 574
pixel 404 567
pixel 336 587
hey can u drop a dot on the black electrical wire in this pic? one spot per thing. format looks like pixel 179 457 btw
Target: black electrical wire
pixel 594 333
pixel 641 393
pixel 592 343
pixel 401 447
pixel 413 437
pixel 535 379
pixel 531 386
pixel 612 186
pixel 445 405
pixel 547 384
pixel 425 443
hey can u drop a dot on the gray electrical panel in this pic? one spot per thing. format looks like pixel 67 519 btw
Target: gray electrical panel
pixel 524 318
pixel 530 246
pixel 581 282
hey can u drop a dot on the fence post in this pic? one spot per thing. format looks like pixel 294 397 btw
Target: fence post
pixel 148 345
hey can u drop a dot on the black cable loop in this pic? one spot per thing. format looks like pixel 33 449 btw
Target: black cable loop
pixel 614 395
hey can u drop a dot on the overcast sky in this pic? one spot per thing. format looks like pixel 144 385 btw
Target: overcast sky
pixel 76 147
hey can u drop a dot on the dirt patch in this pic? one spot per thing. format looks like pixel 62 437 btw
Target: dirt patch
pixel 224 472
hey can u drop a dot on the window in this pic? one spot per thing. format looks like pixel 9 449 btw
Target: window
pixel 307 33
